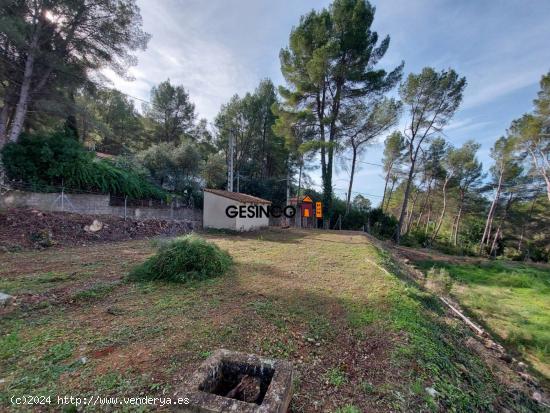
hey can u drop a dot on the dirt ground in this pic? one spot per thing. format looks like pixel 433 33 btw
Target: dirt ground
pixel 30 228
pixel 360 338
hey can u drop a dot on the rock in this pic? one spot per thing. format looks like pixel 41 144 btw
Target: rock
pixel 529 379
pixel 522 366
pixel 5 300
pixel 431 391
pixel 537 396
pixel 488 343
pixel 506 357
pixel 83 360
pixel 94 227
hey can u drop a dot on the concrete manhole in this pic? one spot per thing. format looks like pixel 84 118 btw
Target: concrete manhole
pixel 229 381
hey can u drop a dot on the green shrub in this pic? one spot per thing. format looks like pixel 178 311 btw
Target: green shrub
pixel 348 408
pixel 513 254
pixel 47 162
pixel 184 259
pixel 380 224
pixel 416 238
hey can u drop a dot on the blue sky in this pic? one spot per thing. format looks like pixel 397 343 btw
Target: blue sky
pixel 218 48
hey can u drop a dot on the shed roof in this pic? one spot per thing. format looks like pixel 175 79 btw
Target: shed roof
pixel 237 196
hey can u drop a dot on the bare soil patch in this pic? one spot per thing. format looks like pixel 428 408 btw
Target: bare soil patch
pixel 30 228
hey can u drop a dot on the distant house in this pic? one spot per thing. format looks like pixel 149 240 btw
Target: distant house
pixel 223 210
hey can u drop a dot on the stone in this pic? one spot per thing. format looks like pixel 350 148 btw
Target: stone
pixel 431 391
pixel 5 299
pixel 529 379
pixel 506 357
pixel 537 396
pixel 94 227
pixel 206 389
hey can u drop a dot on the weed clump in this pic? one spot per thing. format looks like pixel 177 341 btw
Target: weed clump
pixel 184 259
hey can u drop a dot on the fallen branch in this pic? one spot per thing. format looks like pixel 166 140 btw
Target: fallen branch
pixel 479 331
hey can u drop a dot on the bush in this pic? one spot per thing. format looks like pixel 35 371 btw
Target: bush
pixel 381 225
pixel 47 162
pixel 184 259
pixel 416 238
pixel 513 254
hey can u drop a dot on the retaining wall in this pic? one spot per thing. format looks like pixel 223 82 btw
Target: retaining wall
pixel 94 205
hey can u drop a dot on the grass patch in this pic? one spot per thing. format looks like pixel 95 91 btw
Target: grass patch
pixel 315 298
pixel 34 283
pixel 320 328
pixel 336 377
pixel 184 259
pixel 348 408
pixel 511 299
pixel 9 345
pixel 463 382
pixel 360 315
pixel 95 292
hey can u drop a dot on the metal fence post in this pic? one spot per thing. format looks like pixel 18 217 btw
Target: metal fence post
pixel 125 202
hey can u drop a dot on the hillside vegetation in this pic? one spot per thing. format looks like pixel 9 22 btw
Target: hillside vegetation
pixel 512 299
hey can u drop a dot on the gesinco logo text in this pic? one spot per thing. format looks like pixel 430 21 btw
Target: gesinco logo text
pixel 259 211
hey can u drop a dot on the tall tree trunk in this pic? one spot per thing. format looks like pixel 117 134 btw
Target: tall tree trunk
pixel 498 233
pixel 411 211
pixel 386 186
pixel 264 172
pixel 24 91
pixel 326 180
pixel 4 124
pixel 494 243
pixel 335 110
pixel 458 217
pixel 425 203
pixel 452 234
pixel 520 242
pixel 443 210
pixel 298 216
pixel 299 181
pixel 389 197
pixel 428 218
pixel 489 221
pixel 457 226
pixel 353 160
pixel 405 202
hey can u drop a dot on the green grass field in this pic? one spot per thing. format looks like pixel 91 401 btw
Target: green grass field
pixel 511 299
pixel 360 337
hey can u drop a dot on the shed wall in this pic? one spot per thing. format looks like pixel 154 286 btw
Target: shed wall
pixel 214 215
pixel 250 224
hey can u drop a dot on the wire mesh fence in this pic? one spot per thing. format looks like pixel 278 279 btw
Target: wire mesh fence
pixel 63 199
